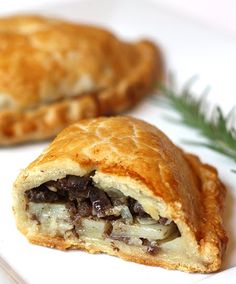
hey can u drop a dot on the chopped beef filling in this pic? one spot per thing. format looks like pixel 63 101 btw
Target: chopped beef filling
pixel 83 199
pixel 42 194
pixel 100 201
pixel 152 246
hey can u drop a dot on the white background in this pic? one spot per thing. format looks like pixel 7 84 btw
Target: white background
pixel 197 37
pixel 219 14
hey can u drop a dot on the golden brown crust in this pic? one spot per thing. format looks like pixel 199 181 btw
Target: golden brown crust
pixel 53 73
pixel 132 151
pixel 62 244
pixel 212 195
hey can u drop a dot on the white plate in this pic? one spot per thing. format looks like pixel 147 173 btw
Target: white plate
pixel 190 49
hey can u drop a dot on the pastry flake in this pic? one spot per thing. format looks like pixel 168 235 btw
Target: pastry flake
pixel 54 73
pixel 118 185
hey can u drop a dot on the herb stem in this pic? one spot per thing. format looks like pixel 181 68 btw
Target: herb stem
pixel 220 137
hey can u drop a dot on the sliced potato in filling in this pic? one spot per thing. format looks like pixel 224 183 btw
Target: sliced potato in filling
pixel 75 204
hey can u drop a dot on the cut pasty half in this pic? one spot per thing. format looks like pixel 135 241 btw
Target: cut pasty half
pixel 53 73
pixel 118 185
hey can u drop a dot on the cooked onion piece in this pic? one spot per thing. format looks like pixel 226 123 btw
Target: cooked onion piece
pixel 76 204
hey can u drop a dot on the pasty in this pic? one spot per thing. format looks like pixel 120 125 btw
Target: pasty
pixel 53 73
pixel 118 185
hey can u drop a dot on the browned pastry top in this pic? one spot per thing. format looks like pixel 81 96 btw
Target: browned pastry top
pixel 125 150
pixel 53 73
pixel 43 60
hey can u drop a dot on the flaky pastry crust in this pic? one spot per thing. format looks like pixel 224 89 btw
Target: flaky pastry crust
pixel 53 73
pixel 137 158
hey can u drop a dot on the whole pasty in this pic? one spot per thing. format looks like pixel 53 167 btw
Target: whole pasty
pixel 53 73
pixel 118 185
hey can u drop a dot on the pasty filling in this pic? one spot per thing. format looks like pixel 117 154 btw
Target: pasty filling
pixel 74 204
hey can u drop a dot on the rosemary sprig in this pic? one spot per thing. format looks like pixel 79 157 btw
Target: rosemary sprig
pixel 220 133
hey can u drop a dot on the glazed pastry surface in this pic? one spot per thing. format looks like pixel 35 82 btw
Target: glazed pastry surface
pixel 135 194
pixel 53 73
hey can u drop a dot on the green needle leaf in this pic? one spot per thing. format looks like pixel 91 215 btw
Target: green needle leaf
pixel 217 129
